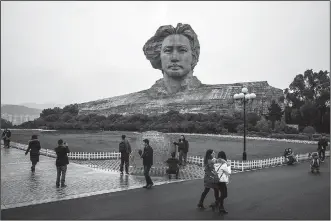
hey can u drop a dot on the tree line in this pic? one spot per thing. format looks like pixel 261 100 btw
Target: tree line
pixel 306 104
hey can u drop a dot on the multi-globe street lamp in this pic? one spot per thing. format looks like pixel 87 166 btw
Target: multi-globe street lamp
pixel 244 97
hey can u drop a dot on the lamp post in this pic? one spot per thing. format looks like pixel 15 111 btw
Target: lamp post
pixel 244 97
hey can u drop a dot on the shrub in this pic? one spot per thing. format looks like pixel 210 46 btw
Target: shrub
pixel 253 118
pixel 263 125
pixel 296 136
pixel 279 126
pixel 252 128
pixel 240 128
pixel 309 130
pixel 278 136
pixel 52 118
pixel 224 131
pixel 291 130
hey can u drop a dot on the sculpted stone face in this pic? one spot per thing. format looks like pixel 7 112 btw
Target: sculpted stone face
pixel 176 56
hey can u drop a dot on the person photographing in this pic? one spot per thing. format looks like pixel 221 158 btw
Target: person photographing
pixel 147 156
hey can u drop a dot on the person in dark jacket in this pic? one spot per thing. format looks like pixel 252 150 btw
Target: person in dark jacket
pixel 322 144
pixel 173 165
pixel 125 150
pixel 34 149
pixel 147 156
pixel 183 147
pixel 6 137
pixel 61 163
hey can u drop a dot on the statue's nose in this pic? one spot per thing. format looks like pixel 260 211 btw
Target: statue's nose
pixel 174 56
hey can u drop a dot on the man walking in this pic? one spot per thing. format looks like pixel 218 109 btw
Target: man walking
pixel 183 147
pixel 125 150
pixel 6 137
pixel 147 156
pixel 62 161
pixel 34 149
pixel 322 144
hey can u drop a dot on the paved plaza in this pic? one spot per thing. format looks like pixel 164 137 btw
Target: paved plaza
pixel 287 192
pixel 21 187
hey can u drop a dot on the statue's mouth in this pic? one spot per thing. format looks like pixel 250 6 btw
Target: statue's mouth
pixel 175 66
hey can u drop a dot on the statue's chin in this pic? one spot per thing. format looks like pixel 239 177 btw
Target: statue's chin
pixel 176 75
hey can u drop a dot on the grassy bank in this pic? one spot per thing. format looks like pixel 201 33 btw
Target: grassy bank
pixel 107 141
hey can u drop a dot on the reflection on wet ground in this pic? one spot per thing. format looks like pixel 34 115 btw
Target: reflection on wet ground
pixel 21 187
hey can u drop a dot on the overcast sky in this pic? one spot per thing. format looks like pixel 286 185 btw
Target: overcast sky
pixel 72 52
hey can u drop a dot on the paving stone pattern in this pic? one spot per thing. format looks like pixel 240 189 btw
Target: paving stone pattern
pixel 187 172
pixel 21 187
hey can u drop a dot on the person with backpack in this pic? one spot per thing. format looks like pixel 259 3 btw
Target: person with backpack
pixel 61 162
pixel 173 165
pixel 322 144
pixel 34 149
pixel 125 150
pixel 315 163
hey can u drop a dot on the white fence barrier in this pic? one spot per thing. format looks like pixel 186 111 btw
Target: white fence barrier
pixel 235 165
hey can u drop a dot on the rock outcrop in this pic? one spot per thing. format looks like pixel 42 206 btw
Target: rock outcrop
pixel 195 98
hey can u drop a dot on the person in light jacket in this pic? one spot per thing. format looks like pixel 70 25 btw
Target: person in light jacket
pixel 209 162
pixel 224 172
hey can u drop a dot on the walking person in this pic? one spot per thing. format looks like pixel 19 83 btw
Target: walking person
pixel 61 162
pixel 224 172
pixel 183 147
pixel 34 149
pixel 147 156
pixel 211 178
pixel 6 138
pixel 322 144
pixel 125 150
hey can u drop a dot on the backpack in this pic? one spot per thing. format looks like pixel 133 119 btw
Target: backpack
pixel 122 147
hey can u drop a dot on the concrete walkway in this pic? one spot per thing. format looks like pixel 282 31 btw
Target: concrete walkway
pixel 288 192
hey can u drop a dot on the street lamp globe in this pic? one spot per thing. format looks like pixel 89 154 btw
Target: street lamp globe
pixel 241 95
pixel 244 90
pixel 247 96
pixel 253 96
pixel 235 96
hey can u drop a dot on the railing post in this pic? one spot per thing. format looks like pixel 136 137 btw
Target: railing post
pixel 89 156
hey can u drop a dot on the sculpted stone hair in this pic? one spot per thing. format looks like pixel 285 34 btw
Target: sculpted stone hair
pixel 152 48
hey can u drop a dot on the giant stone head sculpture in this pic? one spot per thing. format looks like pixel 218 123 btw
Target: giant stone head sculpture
pixel 174 51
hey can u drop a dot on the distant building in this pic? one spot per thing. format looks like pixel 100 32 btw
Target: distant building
pixel 19 119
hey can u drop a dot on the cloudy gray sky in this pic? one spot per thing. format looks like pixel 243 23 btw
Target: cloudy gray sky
pixel 68 52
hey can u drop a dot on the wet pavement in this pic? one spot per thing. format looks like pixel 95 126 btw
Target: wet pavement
pixel 21 187
pixel 280 193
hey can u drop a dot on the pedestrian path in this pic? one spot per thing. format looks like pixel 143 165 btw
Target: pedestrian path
pixel 21 187
pixel 280 193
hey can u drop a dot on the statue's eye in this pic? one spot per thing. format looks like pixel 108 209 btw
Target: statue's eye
pixel 166 50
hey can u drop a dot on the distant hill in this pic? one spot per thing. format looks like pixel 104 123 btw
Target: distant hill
pixel 42 106
pixel 19 110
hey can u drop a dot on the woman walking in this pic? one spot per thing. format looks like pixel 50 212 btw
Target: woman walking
pixel 211 178
pixel 224 171
pixel 34 148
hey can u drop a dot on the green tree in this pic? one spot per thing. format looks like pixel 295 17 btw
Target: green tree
pixel 6 123
pixel 275 113
pixel 310 87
